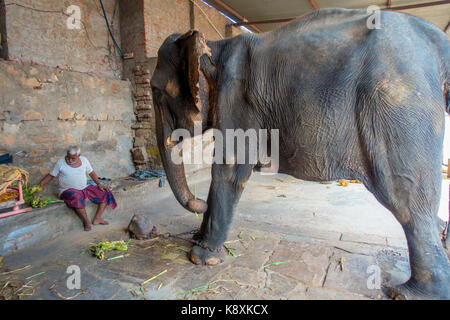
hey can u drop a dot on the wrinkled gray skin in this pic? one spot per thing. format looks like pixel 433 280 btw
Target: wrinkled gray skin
pixel 350 103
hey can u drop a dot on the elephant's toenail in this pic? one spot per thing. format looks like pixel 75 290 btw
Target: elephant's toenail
pixel 212 261
pixel 195 260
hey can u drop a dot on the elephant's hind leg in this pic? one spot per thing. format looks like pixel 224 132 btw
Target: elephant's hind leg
pixel 413 198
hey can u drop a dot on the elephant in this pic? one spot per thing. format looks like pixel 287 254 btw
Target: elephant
pixel 349 101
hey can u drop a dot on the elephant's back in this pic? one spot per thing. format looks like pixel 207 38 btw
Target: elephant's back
pixel 338 32
pixel 324 56
pixel 336 20
pixel 334 76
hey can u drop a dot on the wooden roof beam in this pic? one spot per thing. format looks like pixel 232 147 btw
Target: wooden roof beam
pixel 236 14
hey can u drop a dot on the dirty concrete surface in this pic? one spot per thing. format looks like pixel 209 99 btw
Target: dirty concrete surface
pixel 291 239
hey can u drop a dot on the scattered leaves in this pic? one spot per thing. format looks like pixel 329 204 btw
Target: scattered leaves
pixel 275 264
pixel 342 183
pixel 52 288
pixel 340 263
pixel 118 257
pixel 30 197
pixel 15 291
pixel 182 249
pixel 99 249
pixel 153 278
pixel 230 251
pixel 207 287
pixel 20 269
pixel 35 275
pixel 170 256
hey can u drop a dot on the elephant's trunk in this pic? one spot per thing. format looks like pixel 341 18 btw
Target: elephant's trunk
pixel 175 172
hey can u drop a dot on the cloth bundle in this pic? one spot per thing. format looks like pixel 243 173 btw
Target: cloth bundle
pixel 9 174
pixel 149 174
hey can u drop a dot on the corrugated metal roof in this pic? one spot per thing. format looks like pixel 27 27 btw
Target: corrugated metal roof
pixel 258 10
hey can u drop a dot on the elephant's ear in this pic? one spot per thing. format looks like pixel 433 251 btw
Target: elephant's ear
pixel 193 46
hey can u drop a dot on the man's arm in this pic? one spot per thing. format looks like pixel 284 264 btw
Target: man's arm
pixel 49 177
pixel 46 180
pixel 94 177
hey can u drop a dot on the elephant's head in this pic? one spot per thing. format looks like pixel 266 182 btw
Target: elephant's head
pixel 181 94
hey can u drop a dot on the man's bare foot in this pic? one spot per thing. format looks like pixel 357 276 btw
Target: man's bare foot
pixel 87 227
pixel 100 221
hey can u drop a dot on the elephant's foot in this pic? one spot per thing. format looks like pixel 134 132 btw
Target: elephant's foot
pixel 411 290
pixel 205 256
pixel 404 292
pixel 198 236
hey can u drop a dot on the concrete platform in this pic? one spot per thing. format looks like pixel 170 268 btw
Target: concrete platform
pixel 290 239
pixel 41 224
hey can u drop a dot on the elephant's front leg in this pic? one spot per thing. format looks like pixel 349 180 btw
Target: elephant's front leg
pixel 227 185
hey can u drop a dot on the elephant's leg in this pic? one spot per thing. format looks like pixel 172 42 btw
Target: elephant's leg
pixel 414 202
pixel 227 185
pixel 430 268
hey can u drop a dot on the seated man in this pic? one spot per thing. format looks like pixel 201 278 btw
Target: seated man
pixel 73 189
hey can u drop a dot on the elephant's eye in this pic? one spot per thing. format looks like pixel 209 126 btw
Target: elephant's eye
pixel 156 91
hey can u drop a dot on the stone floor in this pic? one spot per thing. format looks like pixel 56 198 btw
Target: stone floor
pixel 290 239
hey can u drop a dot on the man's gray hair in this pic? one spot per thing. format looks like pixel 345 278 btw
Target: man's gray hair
pixel 74 150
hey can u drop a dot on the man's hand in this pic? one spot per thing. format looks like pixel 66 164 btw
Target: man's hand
pixel 45 180
pixel 103 188
pixel 94 177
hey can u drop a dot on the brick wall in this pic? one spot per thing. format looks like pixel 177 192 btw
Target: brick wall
pixel 209 16
pixel 205 17
pixel 145 150
pixel 43 110
pixel 162 18
pixel 132 33
pixel 38 32
pixel 60 87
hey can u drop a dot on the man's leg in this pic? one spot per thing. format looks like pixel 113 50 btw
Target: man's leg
pixel 102 198
pixel 75 199
pixel 98 215
pixel 81 212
